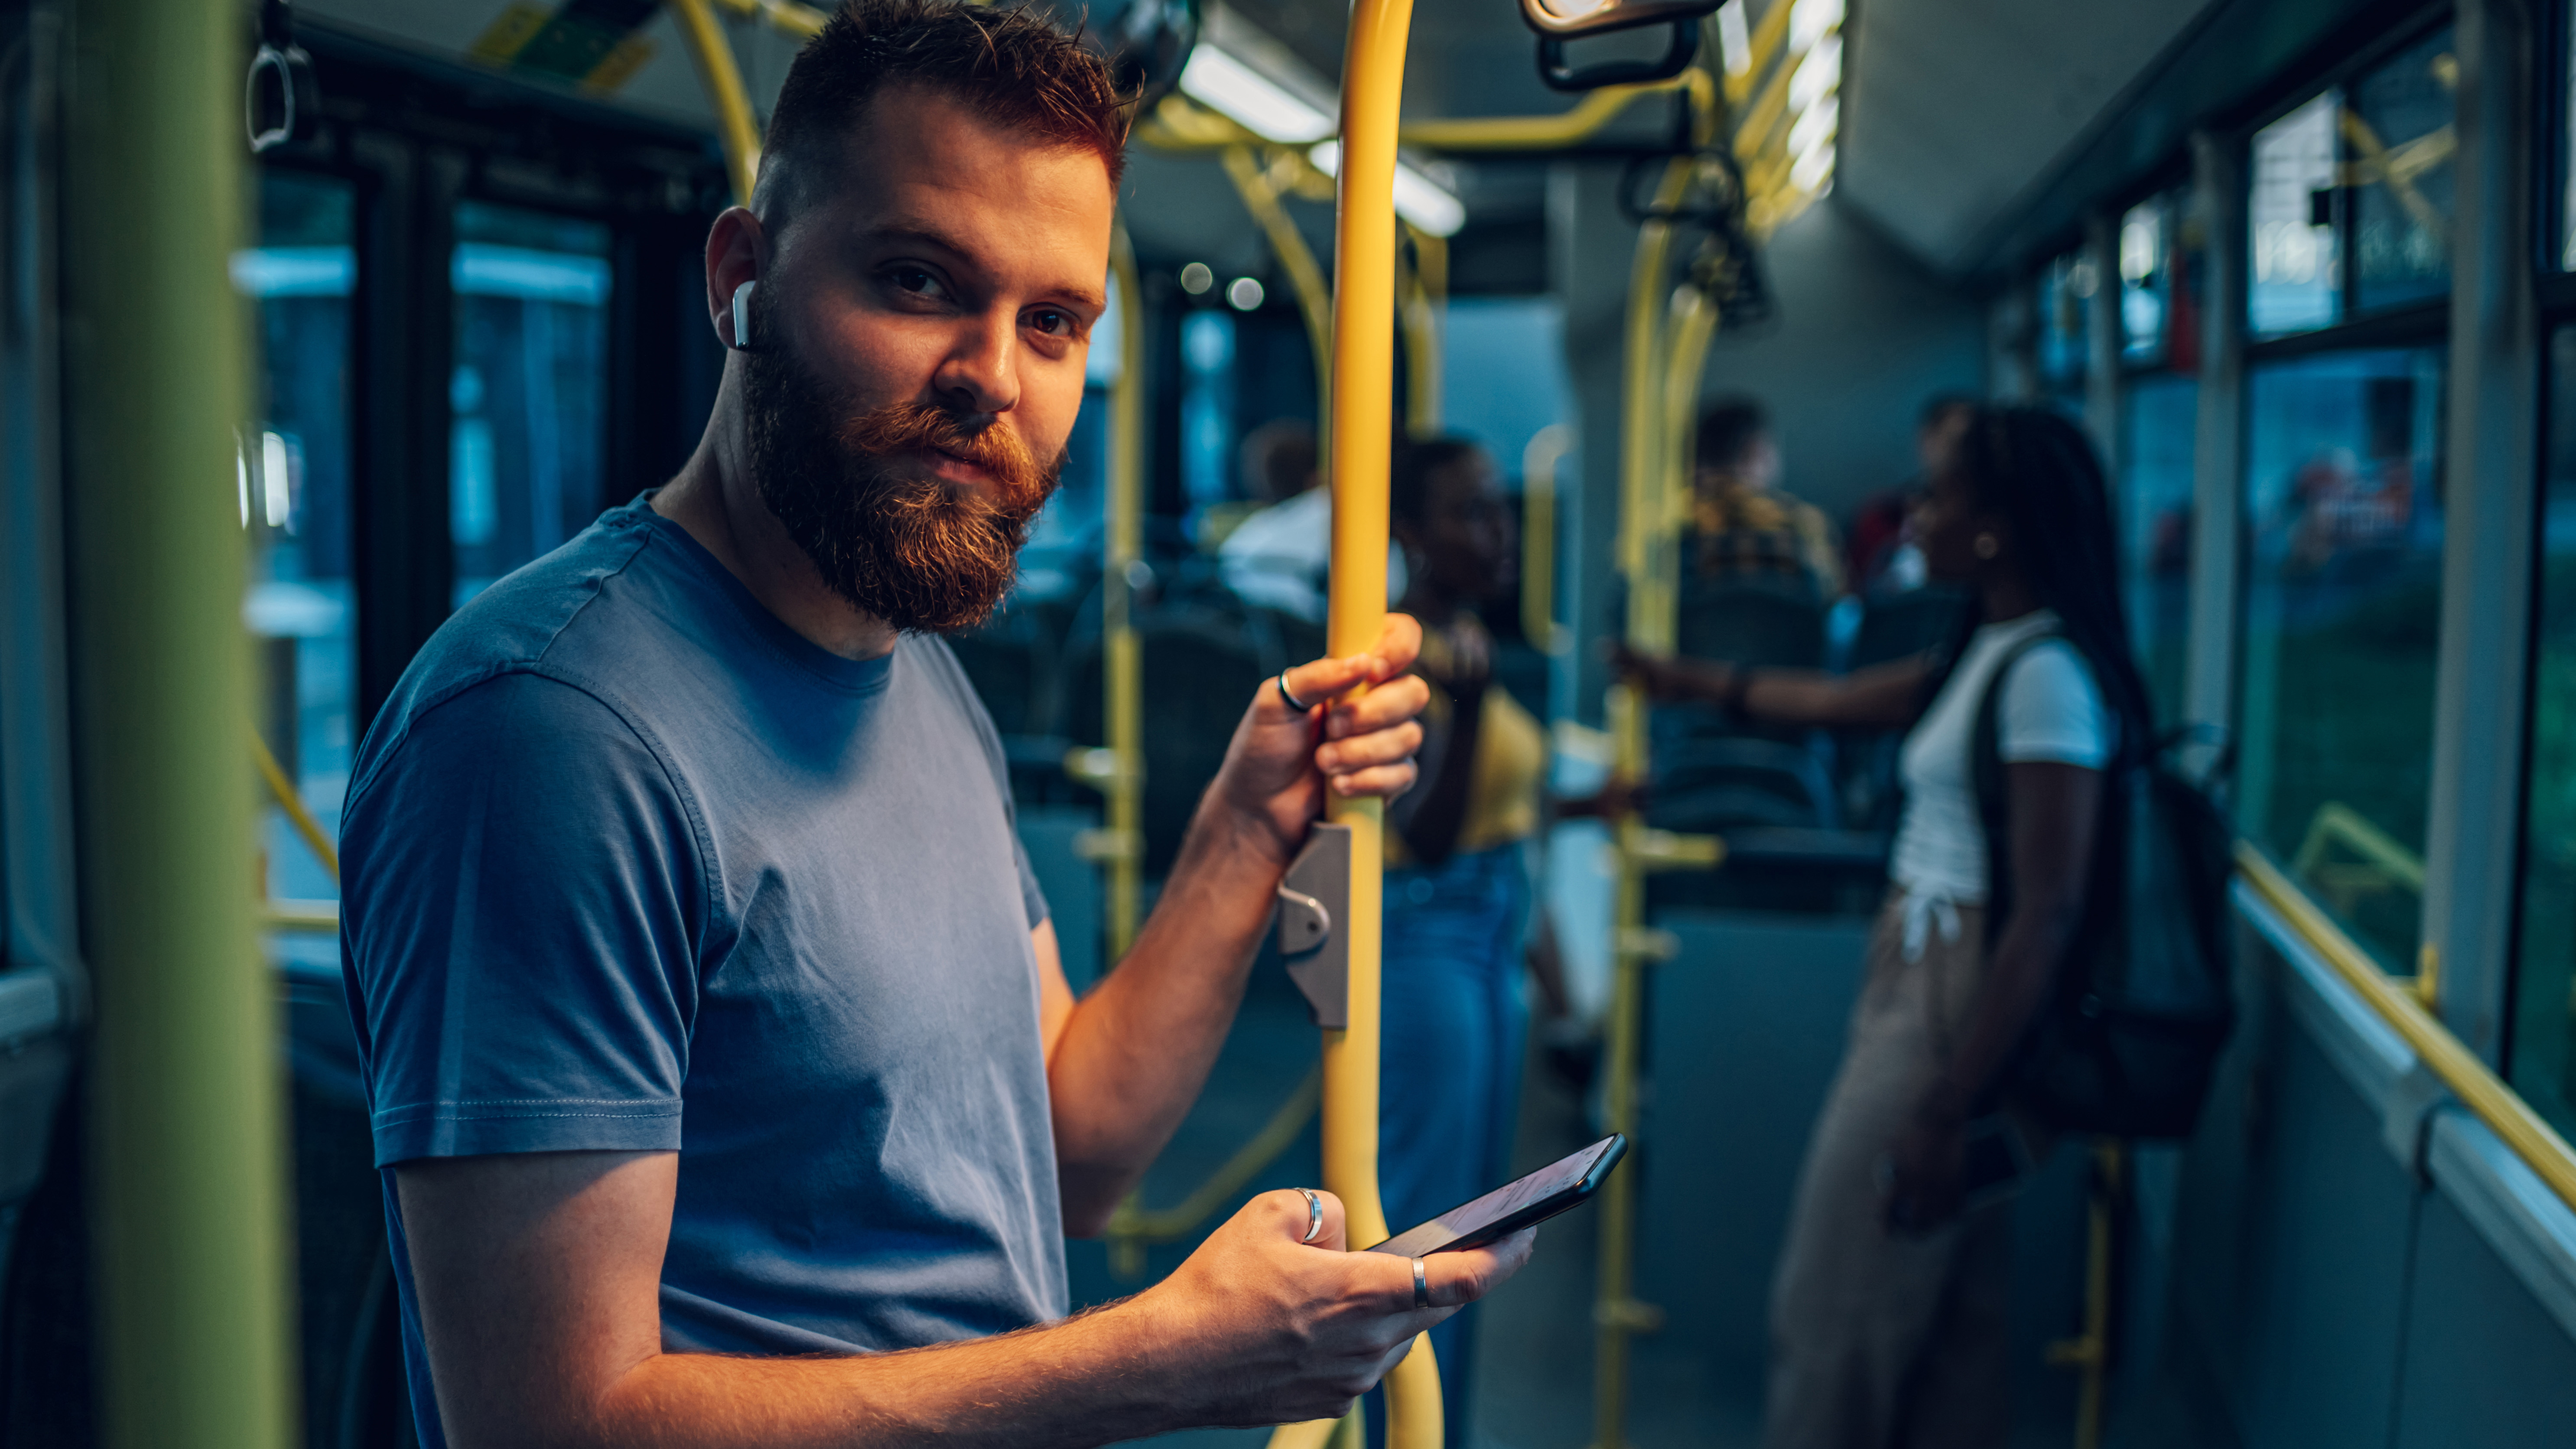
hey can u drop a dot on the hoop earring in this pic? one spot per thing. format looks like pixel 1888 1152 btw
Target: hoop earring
pixel 1988 545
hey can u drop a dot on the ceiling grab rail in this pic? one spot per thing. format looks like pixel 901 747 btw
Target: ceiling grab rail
pixel 785 16
pixel 736 127
pixel 1261 189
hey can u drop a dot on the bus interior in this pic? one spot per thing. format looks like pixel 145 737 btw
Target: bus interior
pixel 2303 271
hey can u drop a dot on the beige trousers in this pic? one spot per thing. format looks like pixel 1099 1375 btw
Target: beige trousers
pixel 1882 1339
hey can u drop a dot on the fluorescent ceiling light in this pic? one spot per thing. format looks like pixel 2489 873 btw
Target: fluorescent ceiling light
pixel 1813 169
pixel 1810 19
pixel 1820 72
pixel 1250 99
pixel 1733 42
pixel 1816 125
pixel 1418 199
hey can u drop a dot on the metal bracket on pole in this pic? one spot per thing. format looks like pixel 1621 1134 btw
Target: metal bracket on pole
pixel 1314 910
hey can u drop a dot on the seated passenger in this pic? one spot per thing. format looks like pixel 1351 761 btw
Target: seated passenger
pixel 1457 894
pixel 1743 528
pixel 713 1030
pixel 1888 1311
pixel 1278 557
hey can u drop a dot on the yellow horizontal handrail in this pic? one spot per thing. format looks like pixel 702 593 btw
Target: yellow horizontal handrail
pixel 1131 1226
pixel 318 917
pixel 2338 823
pixel 1541 133
pixel 2478 1088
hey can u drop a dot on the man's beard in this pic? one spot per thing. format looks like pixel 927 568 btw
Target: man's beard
pixel 923 554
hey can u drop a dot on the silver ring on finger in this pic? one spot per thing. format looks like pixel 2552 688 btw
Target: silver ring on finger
pixel 1314 1216
pixel 1421 1286
pixel 1293 701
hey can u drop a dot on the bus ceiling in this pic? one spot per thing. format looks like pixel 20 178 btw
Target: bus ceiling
pixel 1959 175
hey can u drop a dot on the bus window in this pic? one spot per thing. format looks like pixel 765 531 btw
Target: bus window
pixel 2397 145
pixel 2342 615
pixel 2159 414
pixel 2065 328
pixel 292 476
pixel 2360 175
pixel 2297 258
pixel 2146 279
pixel 528 398
pixel 2543 1048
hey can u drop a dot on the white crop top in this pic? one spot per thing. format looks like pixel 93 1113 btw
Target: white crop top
pixel 2051 711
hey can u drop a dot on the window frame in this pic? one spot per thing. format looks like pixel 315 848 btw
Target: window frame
pixel 414 136
pixel 2303 88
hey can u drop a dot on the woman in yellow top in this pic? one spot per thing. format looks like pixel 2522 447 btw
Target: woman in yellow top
pixel 1457 886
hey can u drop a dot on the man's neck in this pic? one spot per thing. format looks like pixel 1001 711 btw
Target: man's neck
pixel 715 500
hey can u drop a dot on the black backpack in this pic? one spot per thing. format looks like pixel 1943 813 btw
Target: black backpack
pixel 2144 1001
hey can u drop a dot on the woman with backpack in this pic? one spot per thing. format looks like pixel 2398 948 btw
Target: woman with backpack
pixel 1889 1303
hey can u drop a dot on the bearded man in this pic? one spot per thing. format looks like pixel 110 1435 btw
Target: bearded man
pixel 726 1085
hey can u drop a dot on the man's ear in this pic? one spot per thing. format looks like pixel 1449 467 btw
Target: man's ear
pixel 737 258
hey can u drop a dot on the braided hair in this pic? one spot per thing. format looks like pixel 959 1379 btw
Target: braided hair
pixel 2041 472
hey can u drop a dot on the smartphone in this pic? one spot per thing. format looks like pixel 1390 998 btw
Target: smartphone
pixel 1507 1209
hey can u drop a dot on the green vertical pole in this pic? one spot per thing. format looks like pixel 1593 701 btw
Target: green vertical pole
pixel 188 1214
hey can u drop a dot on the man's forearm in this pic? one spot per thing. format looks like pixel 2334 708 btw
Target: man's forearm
pixel 1091 1380
pixel 1140 1046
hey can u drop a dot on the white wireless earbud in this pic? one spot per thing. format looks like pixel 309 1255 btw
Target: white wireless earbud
pixel 742 316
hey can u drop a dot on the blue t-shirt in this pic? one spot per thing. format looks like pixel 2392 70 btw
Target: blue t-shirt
pixel 629 864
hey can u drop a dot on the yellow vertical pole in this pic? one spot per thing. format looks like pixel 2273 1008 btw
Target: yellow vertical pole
pixel 1124 537
pixel 1425 303
pixel 1362 431
pixel 188 1173
pixel 1644 464
pixel 1539 461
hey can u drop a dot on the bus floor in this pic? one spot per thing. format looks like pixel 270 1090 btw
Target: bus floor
pixel 1727 1117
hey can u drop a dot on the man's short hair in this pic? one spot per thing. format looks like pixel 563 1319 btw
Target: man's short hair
pixel 1008 65
pixel 1728 429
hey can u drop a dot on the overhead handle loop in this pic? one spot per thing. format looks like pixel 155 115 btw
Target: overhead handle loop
pixel 1561 75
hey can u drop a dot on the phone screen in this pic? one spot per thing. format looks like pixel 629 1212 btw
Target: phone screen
pixel 1513 1206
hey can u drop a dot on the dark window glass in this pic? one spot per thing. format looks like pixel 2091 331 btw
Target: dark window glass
pixel 2567 141
pixel 2342 616
pixel 2543 1050
pixel 530 390
pixel 2397 145
pixel 293 481
pixel 2159 415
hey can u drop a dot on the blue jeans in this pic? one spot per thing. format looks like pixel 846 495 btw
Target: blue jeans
pixel 1450 1059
